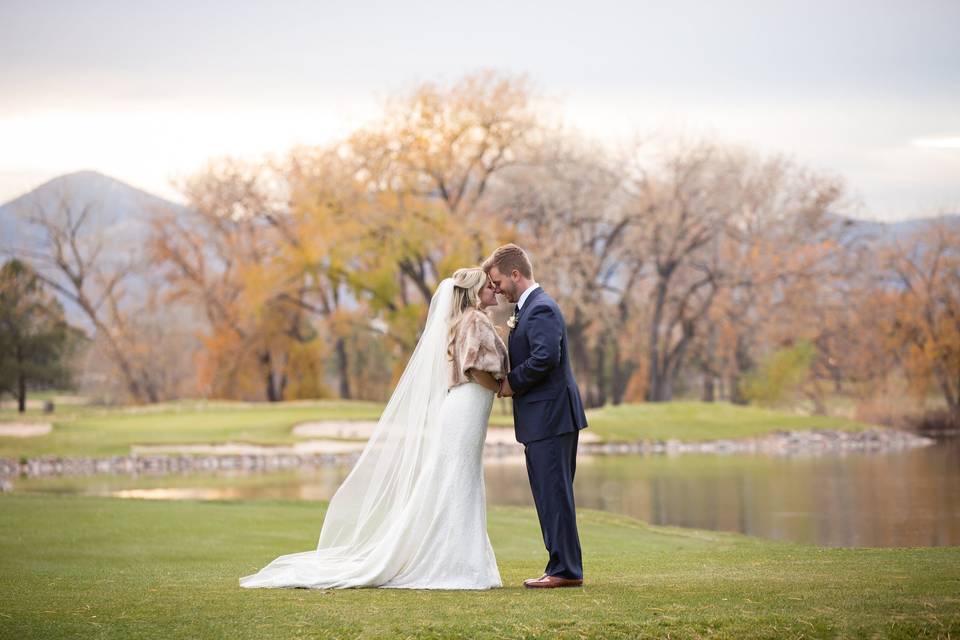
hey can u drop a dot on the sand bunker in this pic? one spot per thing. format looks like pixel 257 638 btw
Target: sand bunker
pixel 335 429
pixel 25 429
pixel 355 436
pixel 506 435
pixel 363 430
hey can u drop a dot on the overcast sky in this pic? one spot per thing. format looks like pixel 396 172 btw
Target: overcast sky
pixel 866 89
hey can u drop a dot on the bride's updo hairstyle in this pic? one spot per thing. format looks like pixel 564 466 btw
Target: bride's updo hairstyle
pixel 467 284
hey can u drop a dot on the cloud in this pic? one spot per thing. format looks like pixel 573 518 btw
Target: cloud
pixel 942 142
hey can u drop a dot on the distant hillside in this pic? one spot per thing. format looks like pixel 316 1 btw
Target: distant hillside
pixel 884 232
pixel 118 217
pixel 117 210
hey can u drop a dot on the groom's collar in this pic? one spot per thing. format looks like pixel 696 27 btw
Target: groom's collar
pixel 526 294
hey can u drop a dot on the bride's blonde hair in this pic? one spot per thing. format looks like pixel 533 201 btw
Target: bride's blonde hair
pixel 467 284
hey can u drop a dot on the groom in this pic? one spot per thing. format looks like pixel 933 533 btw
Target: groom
pixel 547 411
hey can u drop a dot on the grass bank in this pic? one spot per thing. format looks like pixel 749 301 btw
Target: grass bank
pixel 94 431
pixel 692 421
pixel 111 568
pixel 91 431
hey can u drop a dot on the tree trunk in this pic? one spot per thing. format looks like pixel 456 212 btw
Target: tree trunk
pixel 153 394
pixel 673 364
pixel 271 389
pixel 708 393
pixel 619 378
pixel 952 399
pixel 21 393
pixel 275 380
pixel 580 357
pixel 601 377
pixel 655 386
pixel 819 408
pixel 744 363
pixel 343 369
pixel 708 390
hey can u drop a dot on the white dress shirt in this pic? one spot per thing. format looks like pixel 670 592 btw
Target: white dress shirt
pixel 525 295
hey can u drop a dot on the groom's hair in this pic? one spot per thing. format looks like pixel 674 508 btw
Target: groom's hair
pixel 507 258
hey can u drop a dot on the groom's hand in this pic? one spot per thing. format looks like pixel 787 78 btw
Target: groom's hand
pixel 505 390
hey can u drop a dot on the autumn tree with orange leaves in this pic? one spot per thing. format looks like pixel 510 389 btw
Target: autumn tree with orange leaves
pixel 924 297
pixel 413 186
pixel 226 256
pixel 679 264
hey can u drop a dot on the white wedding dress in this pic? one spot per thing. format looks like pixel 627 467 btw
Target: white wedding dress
pixel 412 512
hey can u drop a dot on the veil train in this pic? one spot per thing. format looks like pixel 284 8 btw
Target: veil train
pixel 370 513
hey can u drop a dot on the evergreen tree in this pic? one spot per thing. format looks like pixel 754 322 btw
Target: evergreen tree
pixel 35 338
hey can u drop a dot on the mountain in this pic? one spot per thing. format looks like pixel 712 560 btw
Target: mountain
pixel 118 218
pixel 116 210
pixel 885 232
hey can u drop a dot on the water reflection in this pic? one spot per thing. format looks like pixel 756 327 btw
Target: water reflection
pixel 906 498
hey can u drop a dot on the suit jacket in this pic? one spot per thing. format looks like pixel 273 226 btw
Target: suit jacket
pixel 546 399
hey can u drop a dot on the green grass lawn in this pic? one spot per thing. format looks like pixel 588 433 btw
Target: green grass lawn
pixel 103 432
pixel 81 430
pixel 703 421
pixel 85 567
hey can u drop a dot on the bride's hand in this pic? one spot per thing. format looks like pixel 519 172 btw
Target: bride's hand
pixel 484 378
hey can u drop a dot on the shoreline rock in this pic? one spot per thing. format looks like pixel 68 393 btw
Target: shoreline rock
pixel 783 443
pixel 777 443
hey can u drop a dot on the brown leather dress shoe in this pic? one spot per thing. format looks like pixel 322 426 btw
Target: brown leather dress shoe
pixel 551 582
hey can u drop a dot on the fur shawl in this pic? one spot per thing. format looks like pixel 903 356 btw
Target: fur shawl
pixel 477 346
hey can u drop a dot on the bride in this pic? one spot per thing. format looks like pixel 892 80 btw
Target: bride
pixel 411 514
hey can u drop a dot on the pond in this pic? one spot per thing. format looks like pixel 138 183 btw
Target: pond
pixel 855 499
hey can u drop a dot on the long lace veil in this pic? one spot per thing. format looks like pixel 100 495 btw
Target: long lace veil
pixel 382 480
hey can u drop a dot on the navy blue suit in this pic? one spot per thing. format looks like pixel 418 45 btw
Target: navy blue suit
pixel 548 415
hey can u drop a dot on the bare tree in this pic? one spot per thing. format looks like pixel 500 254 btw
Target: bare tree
pixel 425 169
pixel 226 256
pixel 926 325
pixel 107 287
pixel 781 257
pixel 687 193
pixel 568 209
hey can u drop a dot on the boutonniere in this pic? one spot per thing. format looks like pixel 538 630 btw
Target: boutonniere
pixel 512 320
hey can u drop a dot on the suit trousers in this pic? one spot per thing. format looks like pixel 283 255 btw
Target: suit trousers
pixel 551 464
